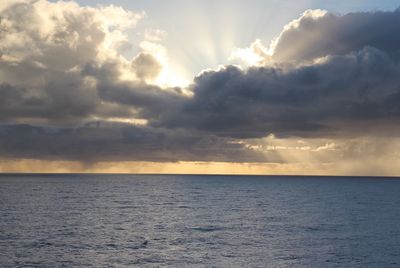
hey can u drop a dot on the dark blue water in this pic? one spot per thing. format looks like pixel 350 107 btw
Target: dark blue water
pixel 198 221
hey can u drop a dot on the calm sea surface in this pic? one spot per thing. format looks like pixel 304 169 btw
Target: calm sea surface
pixel 198 221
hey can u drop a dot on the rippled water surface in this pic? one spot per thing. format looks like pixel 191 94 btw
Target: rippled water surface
pixel 198 221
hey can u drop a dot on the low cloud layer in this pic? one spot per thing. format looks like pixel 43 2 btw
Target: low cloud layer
pixel 68 93
pixel 100 141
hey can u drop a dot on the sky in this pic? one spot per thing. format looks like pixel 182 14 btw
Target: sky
pixel 215 28
pixel 219 87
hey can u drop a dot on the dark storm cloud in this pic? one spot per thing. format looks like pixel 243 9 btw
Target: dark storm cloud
pixel 304 101
pixel 102 141
pixel 149 101
pixel 329 76
pixel 63 98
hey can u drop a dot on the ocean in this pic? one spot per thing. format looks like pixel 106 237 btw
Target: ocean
pixel 198 221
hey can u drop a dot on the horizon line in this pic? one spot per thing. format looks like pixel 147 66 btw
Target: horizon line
pixel 197 174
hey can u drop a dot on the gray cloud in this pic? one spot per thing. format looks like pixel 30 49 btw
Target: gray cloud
pixel 321 99
pixel 44 49
pixel 146 66
pixel 330 76
pixel 102 141
pixel 318 34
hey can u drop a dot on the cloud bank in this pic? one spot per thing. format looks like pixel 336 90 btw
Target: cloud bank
pixel 326 90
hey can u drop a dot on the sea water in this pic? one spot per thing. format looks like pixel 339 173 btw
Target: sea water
pixel 198 221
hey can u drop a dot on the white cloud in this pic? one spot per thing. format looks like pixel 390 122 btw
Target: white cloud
pixel 254 55
pixel 45 48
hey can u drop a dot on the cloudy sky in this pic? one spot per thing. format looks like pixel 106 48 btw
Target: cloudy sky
pixel 250 87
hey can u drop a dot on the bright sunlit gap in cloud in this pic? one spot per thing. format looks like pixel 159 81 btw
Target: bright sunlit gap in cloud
pixel 204 38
